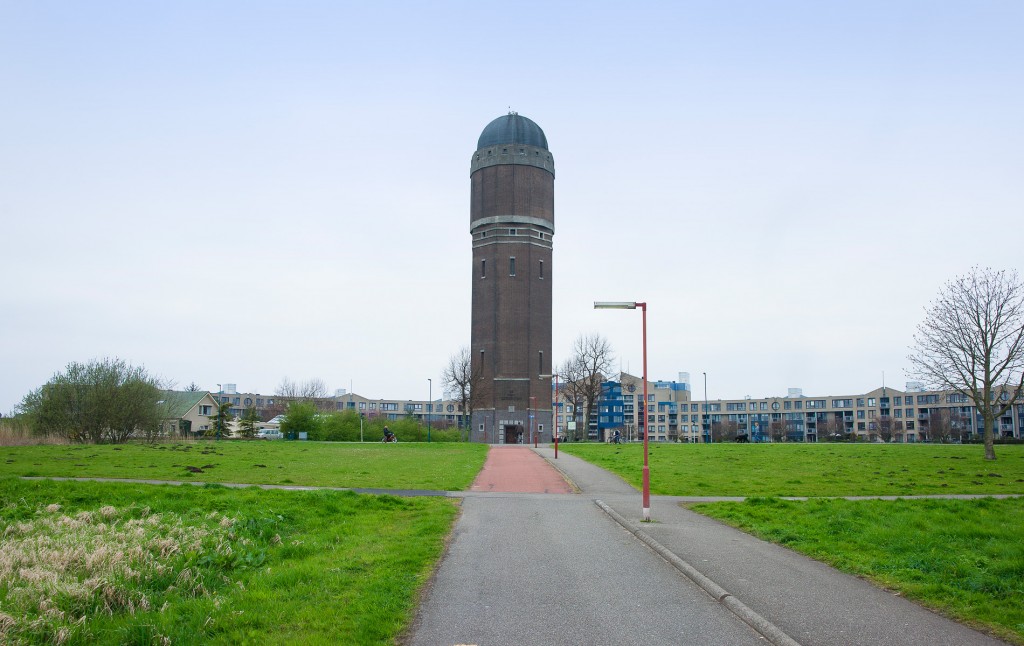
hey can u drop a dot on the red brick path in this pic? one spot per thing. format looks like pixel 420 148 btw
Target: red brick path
pixel 517 469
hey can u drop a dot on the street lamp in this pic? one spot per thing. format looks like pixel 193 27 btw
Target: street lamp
pixel 430 403
pixel 554 412
pixel 707 413
pixel 647 427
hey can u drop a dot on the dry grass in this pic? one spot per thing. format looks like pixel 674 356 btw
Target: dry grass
pixel 16 432
pixel 60 569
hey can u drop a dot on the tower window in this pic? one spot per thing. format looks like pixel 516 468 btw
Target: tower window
pixel 481 360
pixel 540 362
pixel 512 266
pixel 483 268
pixel 542 269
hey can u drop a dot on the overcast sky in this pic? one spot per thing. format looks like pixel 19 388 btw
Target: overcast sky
pixel 243 191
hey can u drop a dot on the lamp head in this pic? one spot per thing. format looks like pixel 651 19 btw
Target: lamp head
pixel 614 305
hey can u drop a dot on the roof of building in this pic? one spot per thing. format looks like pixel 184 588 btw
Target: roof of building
pixel 512 128
pixel 180 402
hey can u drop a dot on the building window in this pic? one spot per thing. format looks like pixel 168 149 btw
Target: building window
pixel 481 359
pixel 362 405
pixel 540 362
pixel 512 266
pixel 871 401
pixel 483 268
pixel 542 269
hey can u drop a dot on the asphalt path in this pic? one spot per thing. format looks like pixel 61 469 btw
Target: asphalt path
pixel 524 568
pixel 557 570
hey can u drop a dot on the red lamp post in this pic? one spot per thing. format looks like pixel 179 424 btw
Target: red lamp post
pixel 646 470
pixel 554 412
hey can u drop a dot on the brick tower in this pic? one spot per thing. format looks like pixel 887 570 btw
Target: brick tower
pixel 512 221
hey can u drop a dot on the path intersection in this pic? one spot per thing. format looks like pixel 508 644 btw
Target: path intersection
pixel 546 555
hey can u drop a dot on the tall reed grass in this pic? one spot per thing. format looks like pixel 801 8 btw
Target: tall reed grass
pixel 15 431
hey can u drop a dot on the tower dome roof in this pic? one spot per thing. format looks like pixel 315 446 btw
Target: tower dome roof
pixel 512 128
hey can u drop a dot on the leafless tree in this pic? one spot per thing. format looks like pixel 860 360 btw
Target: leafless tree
pixel 589 362
pixel 725 430
pixel 972 342
pixel 831 429
pixel 777 429
pixel 310 389
pixel 940 425
pixel 465 385
pixel 884 427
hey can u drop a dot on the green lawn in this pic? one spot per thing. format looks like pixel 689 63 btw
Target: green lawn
pixel 824 469
pixel 114 563
pixel 962 557
pixel 444 466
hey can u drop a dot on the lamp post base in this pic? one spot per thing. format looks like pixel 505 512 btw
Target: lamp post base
pixel 647 493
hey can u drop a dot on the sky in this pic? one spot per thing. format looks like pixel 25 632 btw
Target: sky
pixel 239 192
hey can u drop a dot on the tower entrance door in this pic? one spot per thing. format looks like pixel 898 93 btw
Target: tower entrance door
pixel 513 434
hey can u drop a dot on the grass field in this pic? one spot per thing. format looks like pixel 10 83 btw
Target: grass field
pixel 114 563
pixel 441 466
pixel 962 557
pixel 812 469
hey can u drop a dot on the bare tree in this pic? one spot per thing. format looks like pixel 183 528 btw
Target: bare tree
pixel 725 430
pixel 465 385
pixel 940 425
pixel 310 389
pixel 589 362
pixel 778 428
pixel 884 427
pixel 831 429
pixel 972 342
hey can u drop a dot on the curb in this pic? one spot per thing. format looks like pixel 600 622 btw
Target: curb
pixel 768 630
pixel 565 476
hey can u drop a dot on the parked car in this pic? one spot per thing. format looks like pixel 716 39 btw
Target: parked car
pixel 269 434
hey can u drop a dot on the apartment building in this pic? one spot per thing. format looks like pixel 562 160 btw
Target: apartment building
pixel 673 414
pixel 440 412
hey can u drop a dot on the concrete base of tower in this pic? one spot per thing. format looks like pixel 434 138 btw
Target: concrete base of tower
pixel 489 426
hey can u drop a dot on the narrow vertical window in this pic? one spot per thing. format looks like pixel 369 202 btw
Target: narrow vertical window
pixel 540 362
pixel 542 269
pixel 483 268
pixel 481 360
pixel 512 266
